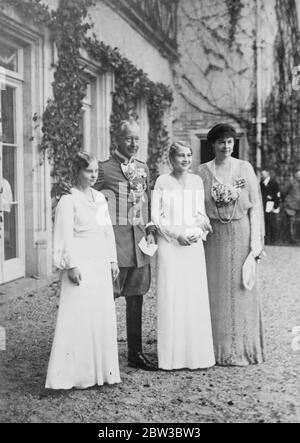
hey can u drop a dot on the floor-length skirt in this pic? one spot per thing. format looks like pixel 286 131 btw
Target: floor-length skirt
pixel 84 351
pixel 184 335
pixel 235 311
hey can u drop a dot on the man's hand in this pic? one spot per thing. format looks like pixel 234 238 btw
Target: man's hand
pixel 74 276
pixel 150 239
pixel 114 270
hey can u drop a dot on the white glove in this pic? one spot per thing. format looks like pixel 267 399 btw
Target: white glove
pixel 256 247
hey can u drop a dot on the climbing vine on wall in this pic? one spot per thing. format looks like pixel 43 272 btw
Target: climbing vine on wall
pixel 35 9
pixel 131 85
pixel 281 150
pixel 234 8
pixel 215 42
pixel 62 135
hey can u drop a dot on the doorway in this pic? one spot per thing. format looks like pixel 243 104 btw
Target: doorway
pixel 12 257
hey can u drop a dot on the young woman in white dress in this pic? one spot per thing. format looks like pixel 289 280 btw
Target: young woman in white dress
pixel 184 334
pixel 84 351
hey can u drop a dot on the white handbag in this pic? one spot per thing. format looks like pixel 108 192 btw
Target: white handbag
pixel 249 272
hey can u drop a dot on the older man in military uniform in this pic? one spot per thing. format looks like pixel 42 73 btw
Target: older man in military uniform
pixel 125 182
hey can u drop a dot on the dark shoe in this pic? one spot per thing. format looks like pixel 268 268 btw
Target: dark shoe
pixel 138 360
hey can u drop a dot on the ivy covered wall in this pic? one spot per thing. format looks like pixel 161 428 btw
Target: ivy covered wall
pixel 72 27
pixel 217 73
pixel 281 147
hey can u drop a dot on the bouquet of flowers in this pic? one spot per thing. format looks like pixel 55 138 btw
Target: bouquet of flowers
pixel 224 194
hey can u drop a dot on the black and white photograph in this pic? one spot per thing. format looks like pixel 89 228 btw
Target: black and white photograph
pixel 149 214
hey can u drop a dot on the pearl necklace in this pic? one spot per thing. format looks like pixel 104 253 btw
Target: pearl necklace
pixel 221 219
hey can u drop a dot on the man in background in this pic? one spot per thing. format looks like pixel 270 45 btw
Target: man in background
pixel 291 198
pixel 271 200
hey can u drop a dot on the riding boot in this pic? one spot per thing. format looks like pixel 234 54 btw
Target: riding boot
pixel 134 305
pixel 136 357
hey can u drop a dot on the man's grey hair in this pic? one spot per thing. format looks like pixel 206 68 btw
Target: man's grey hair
pixel 126 125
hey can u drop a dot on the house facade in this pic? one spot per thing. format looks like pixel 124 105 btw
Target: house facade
pixel 144 32
pixel 223 63
pixel 235 65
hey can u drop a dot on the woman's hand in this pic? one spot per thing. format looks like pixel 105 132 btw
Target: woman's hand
pixel 260 256
pixel 184 240
pixel 74 276
pixel 204 223
pixel 194 238
pixel 257 249
pixel 115 271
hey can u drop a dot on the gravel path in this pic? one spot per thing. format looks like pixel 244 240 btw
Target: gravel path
pixel 266 393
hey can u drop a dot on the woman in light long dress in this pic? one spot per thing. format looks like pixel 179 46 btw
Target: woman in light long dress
pixel 233 205
pixel 184 335
pixel 84 351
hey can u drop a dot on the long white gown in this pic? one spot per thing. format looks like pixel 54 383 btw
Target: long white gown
pixel 84 351
pixel 184 333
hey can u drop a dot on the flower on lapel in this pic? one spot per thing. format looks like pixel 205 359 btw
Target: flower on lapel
pixel 224 194
pixel 240 182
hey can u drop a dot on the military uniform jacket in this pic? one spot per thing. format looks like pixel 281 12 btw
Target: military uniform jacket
pixel 129 211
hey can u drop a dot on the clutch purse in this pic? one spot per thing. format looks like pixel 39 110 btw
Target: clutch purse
pixel 249 272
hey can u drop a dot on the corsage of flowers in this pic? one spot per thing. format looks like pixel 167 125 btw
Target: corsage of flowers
pixel 227 195
pixel 224 194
